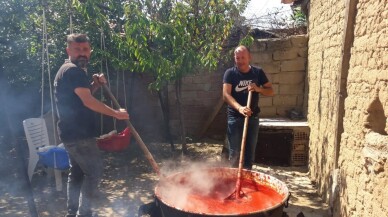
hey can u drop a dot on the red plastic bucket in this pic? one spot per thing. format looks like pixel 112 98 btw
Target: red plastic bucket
pixel 115 143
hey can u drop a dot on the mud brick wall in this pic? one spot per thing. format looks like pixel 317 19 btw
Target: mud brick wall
pixel 357 185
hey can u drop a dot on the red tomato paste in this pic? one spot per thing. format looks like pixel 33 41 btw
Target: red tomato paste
pixel 189 197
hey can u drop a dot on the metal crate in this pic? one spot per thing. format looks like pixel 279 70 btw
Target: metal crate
pixel 299 158
pixel 283 142
pixel 274 147
pixel 299 154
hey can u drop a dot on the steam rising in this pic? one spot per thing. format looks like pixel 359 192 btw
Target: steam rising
pixel 199 188
pixel 193 181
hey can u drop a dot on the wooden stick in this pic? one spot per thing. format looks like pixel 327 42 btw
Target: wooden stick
pixel 210 119
pixel 134 133
pixel 243 141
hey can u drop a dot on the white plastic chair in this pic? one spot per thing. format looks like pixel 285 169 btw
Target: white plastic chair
pixel 37 137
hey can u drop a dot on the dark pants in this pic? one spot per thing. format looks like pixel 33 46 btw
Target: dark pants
pixel 85 174
pixel 234 135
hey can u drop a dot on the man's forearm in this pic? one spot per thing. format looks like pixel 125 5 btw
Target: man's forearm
pixel 99 107
pixel 231 101
pixel 266 91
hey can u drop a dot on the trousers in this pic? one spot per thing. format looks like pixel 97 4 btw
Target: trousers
pixel 234 135
pixel 86 169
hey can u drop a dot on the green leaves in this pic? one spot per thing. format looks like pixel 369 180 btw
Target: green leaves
pixel 165 38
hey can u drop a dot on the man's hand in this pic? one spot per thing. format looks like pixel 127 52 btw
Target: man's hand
pixel 122 114
pixel 253 87
pixel 99 79
pixel 247 112
pixel 265 90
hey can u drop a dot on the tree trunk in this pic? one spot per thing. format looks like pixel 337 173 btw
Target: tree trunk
pixel 178 91
pixel 163 98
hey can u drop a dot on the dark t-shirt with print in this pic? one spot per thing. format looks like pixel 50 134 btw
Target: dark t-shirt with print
pixel 75 121
pixel 240 82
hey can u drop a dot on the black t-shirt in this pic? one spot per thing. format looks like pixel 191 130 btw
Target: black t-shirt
pixel 240 82
pixel 76 121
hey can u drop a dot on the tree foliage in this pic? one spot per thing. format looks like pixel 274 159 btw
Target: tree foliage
pixel 167 38
pixel 17 49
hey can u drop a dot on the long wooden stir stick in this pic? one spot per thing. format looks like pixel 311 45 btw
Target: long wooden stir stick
pixel 243 141
pixel 139 141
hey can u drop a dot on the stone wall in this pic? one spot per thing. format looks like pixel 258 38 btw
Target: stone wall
pixel 283 60
pixel 355 184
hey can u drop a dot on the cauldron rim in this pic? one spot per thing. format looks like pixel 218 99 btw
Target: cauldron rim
pixel 285 194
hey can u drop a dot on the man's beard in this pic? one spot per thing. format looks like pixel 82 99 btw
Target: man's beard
pixel 81 61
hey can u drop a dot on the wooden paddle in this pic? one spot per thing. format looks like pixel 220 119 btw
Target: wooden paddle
pixel 237 193
pixel 139 141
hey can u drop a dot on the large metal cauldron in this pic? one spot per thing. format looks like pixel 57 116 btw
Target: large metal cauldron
pixel 186 194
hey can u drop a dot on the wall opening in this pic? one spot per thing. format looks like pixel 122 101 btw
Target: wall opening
pixel 376 120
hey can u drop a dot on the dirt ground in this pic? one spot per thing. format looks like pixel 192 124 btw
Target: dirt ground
pixel 129 181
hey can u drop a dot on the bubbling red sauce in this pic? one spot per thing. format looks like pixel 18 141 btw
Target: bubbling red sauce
pixel 190 196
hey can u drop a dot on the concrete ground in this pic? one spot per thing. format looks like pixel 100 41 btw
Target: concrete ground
pixel 304 200
pixel 129 181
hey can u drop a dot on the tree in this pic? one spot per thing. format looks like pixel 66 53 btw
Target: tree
pixel 15 41
pixel 168 39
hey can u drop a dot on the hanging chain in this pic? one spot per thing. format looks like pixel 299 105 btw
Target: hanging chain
pixel 46 60
pixel 43 58
pixel 107 69
pixel 70 17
